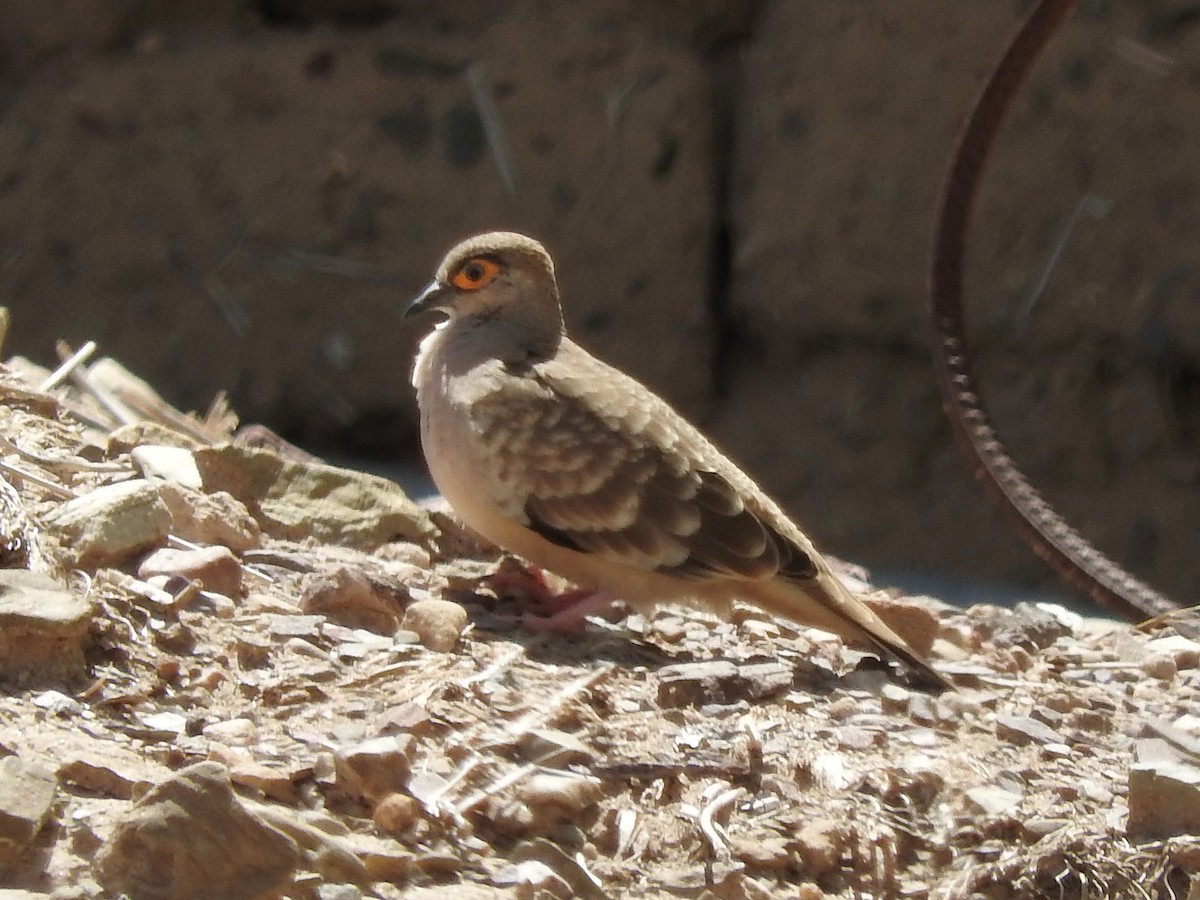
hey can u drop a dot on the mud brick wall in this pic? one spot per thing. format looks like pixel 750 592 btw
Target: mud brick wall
pixel 242 195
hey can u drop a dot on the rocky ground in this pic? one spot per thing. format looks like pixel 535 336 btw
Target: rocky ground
pixel 230 671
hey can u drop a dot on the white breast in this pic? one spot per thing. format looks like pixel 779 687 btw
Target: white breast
pixel 446 381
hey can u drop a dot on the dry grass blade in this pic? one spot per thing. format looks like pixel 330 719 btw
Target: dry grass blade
pixel 82 355
pixel 494 788
pixel 540 714
pixel 121 413
pixel 718 840
pixel 493 125
pixel 56 489
pixel 74 463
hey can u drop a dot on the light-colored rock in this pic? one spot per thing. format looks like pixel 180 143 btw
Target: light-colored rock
pixel 692 684
pixel 1164 800
pixel 43 627
pixel 396 813
pixel 993 800
pixel 166 723
pixel 56 703
pixel 338 892
pixel 101 776
pixel 374 768
pixel 191 838
pixel 296 500
pixel 348 597
pixel 216 568
pixel 462 891
pixel 551 747
pixel 215 518
pixel 1184 651
pixel 893 698
pixel 111 524
pixel 721 681
pixel 908 617
pixel 270 781
pixel 388 861
pixel 1025 730
pixel 235 732
pixel 771 853
pixel 26 795
pixel 560 792
pixel 439 623
pixel 820 844
pixel 328 850
pixel 294 626
pixel 1037 828
pixel 1161 666
pixel 161 463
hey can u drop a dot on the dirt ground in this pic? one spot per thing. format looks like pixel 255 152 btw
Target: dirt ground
pixel 232 671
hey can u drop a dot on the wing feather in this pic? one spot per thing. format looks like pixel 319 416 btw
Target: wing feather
pixel 599 477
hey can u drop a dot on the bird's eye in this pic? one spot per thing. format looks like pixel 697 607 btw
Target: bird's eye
pixel 475 274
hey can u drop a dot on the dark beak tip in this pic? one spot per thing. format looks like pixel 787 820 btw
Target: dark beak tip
pixel 424 301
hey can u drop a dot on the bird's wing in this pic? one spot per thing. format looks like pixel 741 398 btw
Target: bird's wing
pixel 594 462
pixel 599 464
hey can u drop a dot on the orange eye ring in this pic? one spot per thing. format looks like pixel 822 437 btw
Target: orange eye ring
pixel 475 274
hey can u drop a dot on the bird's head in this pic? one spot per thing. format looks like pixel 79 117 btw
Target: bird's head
pixel 499 275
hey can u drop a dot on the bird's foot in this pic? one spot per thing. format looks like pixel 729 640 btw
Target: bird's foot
pixel 549 610
pixel 571 615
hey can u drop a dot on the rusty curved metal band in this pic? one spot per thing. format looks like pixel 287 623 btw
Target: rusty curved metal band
pixel 1079 563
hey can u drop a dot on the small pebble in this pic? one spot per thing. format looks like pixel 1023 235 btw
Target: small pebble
pixel 669 630
pixel 438 623
pixel 234 732
pixel 842 708
pixel 375 768
pixel 272 782
pixel 396 813
pixel 1036 829
pixel 1161 666
pixel 563 792
pixel 1055 750
pixel 338 892
pixel 893 698
pixel 992 800
pixel 1184 651
pixel 214 567
pixel 1024 730
pixel 820 844
pixel 758 630
pixel 920 708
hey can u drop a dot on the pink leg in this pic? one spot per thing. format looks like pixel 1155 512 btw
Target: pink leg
pixel 573 609
pixel 554 611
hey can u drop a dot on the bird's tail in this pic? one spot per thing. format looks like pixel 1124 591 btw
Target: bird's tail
pixel 824 602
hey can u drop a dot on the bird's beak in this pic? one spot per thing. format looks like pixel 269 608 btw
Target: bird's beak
pixel 428 299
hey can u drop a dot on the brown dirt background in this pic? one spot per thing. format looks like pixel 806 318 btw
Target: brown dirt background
pixel 241 195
